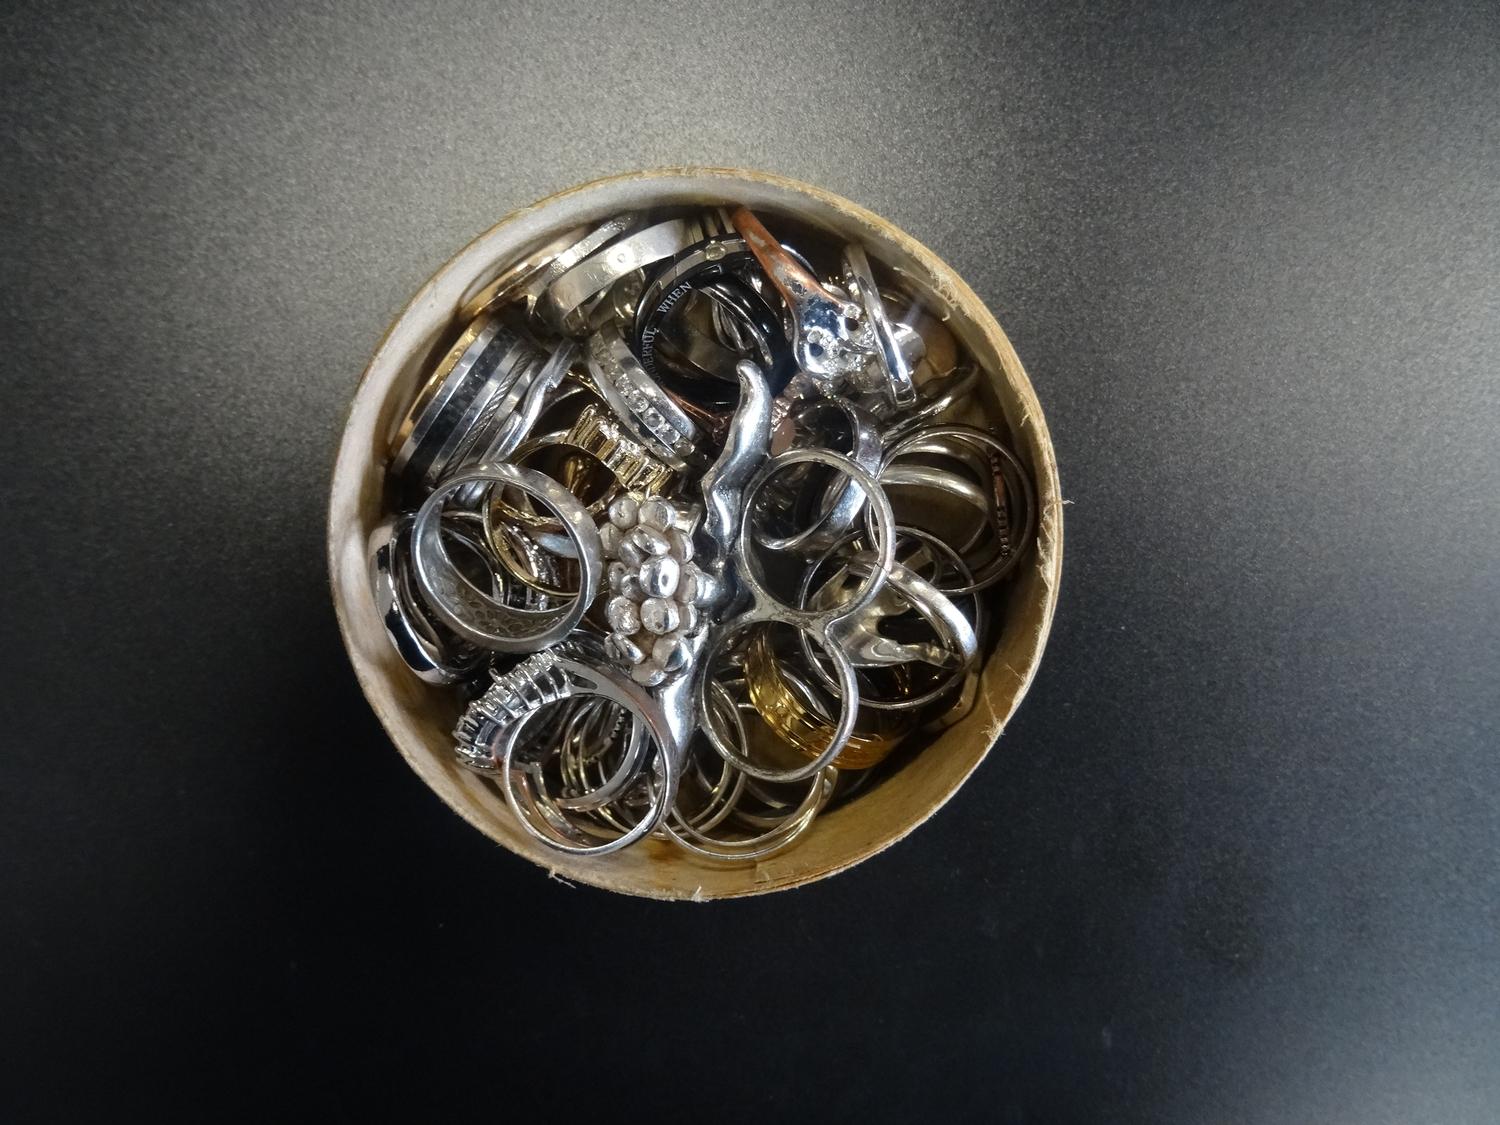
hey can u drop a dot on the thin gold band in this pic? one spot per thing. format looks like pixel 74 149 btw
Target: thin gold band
pixel 802 728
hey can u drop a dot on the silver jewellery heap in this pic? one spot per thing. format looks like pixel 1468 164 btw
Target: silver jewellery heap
pixel 701 531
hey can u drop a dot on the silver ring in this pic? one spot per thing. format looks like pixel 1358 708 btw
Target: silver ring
pixel 448 393
pixel 476 616
pixel 1013 479
pixel 866 646
pixel 576 678
pixel 841 501
pixel 695 840
pixel 524 281
pixel 510 373
pixel 513 697
pixel 516 422
pixel 824 627
pixel 562 304
pixel 899 387
pixel 641 406
pixel 432 658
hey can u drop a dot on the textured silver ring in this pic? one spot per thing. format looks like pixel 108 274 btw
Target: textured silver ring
pixel 475 615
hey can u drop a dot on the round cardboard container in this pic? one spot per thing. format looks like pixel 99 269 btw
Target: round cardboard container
pixel 419 718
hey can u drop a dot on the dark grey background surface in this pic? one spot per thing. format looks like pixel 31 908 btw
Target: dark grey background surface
pixel 1235 859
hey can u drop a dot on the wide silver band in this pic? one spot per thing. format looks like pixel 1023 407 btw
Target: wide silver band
pixel 562 305
pixel 478 617
pixel 452 388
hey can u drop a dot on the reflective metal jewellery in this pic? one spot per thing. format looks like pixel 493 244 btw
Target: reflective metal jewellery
pixel 703 526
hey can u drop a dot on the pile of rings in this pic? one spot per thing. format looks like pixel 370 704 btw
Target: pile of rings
pixel 703 526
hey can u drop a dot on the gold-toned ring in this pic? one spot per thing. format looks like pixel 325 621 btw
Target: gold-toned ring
pixel 500 538
pixel 600 434
pixel 795 722
pixel 599 437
